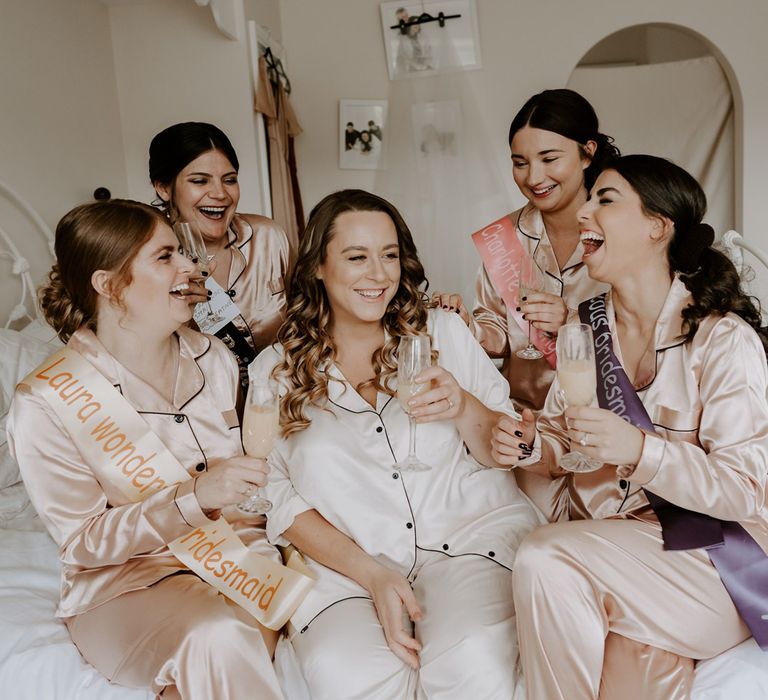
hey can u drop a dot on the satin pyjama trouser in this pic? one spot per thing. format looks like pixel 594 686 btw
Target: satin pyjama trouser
pixel 575 582
pixel 467 633
pixel 179 632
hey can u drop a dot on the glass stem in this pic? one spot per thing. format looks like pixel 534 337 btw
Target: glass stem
pixel 529 334
pixel 411 437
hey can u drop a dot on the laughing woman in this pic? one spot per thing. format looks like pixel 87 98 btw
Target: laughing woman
pixel 194 170
pixel 682 432
pixel 557 152
pixel 135 612
pixel 413 569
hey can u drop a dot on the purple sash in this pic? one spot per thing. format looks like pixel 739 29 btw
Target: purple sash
pixel 739 560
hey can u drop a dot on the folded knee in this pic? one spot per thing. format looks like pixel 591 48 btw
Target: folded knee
pixel 543 556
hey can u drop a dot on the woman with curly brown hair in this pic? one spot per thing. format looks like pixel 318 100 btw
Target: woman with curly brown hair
pixel 413 568
pixel 667 537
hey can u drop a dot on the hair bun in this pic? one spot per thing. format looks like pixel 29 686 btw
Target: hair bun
pixel 696 240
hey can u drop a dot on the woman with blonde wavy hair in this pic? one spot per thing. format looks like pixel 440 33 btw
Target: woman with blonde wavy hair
pixel 413 568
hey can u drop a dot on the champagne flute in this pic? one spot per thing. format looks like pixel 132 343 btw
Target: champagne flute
pixel 577 377
pixel 261 425
pixel 193 247
pixel 413 356
pixel 530 280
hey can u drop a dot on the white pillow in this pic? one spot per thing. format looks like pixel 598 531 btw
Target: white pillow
pixel 20 352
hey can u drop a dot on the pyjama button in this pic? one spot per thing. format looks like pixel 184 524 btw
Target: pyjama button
pixel 491 554
pixel 623 483
pixel 379 429
pixel 445 547
pixel 409 525
pixel 200 467
pixel 395 475
pixel 231 293
pixel 179 418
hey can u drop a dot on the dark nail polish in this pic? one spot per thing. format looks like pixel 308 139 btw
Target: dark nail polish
pixel 445 307
pixel 518 433
pixel 204 274
pixel 194 260
pixel 517 308
pixel 457 311
pixel 525 298
pixel 523 446
pixel 210 294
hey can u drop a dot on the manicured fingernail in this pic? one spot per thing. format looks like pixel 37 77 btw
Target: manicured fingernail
pixel 204 274
pixel 210 294
pixel 517 308
pixel 525 298
pixel 444 306
pixel 518 433
pixel 523 446
pixel 456 310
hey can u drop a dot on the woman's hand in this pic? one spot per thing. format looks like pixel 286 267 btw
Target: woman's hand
pixel 599 433
pixel 197 293
pixel 512 440
pixel 545 311
pixel 441 399
pixel 391 592
pixel 451 302
pixel 230 481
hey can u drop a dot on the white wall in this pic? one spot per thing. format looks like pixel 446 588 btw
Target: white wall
pixel 173 65
pixel 59 120
pixel 336 51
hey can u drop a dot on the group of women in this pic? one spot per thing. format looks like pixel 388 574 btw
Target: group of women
pixel 426 583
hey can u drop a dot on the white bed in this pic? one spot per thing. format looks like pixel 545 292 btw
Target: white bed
pixel 37 659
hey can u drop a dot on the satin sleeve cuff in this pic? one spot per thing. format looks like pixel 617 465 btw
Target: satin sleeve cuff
pixel 654 447
pixel 174 518
pixel 281 517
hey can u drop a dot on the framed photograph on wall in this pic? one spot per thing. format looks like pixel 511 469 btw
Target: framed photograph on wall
pixel 426 48
pixel 362 134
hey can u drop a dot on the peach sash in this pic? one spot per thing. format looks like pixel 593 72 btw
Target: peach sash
pixel 501 252
pixel 120 448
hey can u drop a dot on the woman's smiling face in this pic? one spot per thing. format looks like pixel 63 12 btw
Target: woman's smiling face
pixel 548 168
pixel 617 234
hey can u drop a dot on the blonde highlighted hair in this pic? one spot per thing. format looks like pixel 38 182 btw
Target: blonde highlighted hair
pixel 308 349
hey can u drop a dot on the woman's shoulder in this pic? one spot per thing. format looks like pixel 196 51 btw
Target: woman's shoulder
pixel 727 339
pixel 265 361
pixel 263 227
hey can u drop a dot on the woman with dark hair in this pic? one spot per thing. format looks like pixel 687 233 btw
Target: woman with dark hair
pixel 129 446
pixel 667 539
pixel 194 170
pixel 413 569
pixel 557 152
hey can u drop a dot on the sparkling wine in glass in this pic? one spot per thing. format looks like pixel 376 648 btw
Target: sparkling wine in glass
pixel 577 377
pixel 261 426
pixel 530 280
pixel 413 356
pixel 193 247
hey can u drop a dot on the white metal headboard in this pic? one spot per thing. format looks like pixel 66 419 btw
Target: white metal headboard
pixel 26 306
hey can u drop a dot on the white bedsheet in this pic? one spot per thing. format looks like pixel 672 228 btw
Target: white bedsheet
pixel 39 662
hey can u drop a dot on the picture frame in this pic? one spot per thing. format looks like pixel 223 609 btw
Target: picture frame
pixel 362 134
pixel 428 48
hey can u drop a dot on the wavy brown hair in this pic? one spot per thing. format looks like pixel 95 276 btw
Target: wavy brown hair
pixel 308 349
pixel 97 236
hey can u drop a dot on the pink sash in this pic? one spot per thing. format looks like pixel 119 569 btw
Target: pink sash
pixel 501 252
